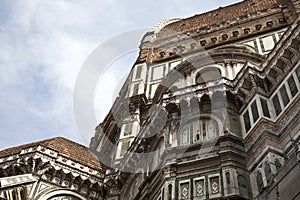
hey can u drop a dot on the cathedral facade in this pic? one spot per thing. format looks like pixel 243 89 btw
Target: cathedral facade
pixel 210 110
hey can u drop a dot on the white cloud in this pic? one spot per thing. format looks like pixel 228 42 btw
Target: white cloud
pixel 44 44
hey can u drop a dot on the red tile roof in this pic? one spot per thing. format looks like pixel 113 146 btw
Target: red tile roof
pixel 217 16
pixel 64 147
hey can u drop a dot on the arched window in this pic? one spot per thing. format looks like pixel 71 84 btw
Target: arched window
pixel 227 175
pixel 170 188
pixel 268 172
pixel 242 186
pixel 208 74
pixel 199 130
pixel 259 181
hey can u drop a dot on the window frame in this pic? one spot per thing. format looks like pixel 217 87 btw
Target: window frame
pixel 121 151
pixel 247 121
pixel 138 72
pixel 202 178
pixel 152 78
pixel 180 190
pixel 276 104
pixel 135 89
pixel 124 127
pixel 292 91
pixel 254 110
pixel 210 177
pixel 284 95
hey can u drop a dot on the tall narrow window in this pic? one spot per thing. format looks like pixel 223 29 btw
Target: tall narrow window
pixel 5 194
pixel 242 186
pixel 265 108
pixel 276 104
pixel 124 147
pixel 163 194
pixel 259 181
pixel 284 95
pixel 292 86
pixel 135 89
pixel 170 191
pixel 298 73
pixel 128 129
pixel 203 128
pixel 14 194
pixel 268 172
pixel 138 72
pixel 196 130
pixel 254 111
pixel 23 193
pixel 227 175
pixel 247 121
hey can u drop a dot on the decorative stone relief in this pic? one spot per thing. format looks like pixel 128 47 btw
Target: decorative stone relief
pixel 215 185
pixel 185 191
pixel 199 188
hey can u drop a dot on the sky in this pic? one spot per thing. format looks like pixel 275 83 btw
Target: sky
pixel 43 46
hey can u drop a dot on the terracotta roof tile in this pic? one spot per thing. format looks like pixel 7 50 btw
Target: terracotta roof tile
pixel 64 147
pixel 217 16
